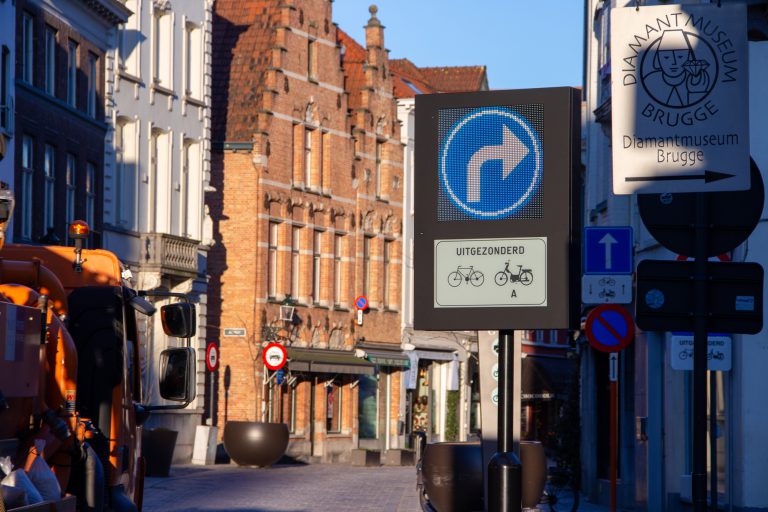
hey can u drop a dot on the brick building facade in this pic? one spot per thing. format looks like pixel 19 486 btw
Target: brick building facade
pixel 307 167
pixel 60 123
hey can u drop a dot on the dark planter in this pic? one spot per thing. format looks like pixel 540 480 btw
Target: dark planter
pixel 453 476
pixel 534 463
pixel 254 443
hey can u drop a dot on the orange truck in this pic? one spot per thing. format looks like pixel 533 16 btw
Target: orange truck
pixel 70 369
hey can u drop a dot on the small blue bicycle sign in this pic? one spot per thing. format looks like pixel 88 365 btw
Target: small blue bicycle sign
pixel 491 164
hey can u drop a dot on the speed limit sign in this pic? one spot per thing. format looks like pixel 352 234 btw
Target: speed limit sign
pixel 212 357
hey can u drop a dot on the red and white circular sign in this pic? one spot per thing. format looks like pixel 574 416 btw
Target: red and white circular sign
pixel 212 357
pixel 275 356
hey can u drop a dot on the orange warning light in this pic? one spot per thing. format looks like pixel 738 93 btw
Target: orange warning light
pixel 79 230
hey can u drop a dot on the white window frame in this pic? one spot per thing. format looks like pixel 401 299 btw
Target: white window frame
pixel 27 182
pixel 387 272
pixel 50 60
pixel 93 75
pixel 162 48
pixel 193 61
pixel 272 248
pixel 338 255
pixel 367 241
pixel 379 177
pixel 49 187
pixel 317 264
pixel 71 177
pixel 308 157
pixel 295 261
pixel 28 48
pixel 90 194
pixel 72 50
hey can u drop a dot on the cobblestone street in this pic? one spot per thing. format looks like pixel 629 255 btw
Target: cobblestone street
pixel 294 488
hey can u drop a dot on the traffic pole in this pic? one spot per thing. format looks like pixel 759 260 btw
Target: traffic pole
pixel 713 440
pixel 504 469
pixel 613 369
pixel 700 348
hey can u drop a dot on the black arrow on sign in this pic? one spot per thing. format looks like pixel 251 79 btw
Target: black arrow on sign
pixel 708 177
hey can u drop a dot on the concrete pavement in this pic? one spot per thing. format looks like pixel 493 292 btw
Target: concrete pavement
pixel 292 488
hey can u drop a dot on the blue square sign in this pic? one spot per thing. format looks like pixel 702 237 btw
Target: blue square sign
pixel 608 250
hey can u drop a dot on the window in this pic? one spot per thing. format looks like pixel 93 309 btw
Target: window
pixel 163 66
pixel 289 409
pixel 90 194
pixel 367 265
pixel 338 242
pixel 190 162
pixel 316 265
pixel 130 40
pixel 193 72
pixel 6 109
pixel 27 49
pixel 387 275
pixel 311 60
pixel 368 407
pixel 93 66
pixel 308 158
pixel 295 248
pixel 50 61
pixel 27 151
pixel 72 74
pixel 378 169
pixel 49 187
pixel 333 408
pixel 71 187
pixel 272 261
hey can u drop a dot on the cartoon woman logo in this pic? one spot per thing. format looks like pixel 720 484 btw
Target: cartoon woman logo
pixel 679 69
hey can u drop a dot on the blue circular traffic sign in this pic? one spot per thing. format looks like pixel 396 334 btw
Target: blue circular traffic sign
pixel 609 328
pixel 491 164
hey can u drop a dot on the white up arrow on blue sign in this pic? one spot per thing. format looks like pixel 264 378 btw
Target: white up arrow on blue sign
pixel 608 250
pixel 490 163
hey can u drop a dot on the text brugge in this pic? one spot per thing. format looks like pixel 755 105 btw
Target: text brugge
pixel 507 250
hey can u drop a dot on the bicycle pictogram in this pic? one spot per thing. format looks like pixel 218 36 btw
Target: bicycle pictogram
pixel 524 276
pixel 465 274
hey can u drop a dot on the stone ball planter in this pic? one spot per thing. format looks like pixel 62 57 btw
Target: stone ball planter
pixel 453 476
pixel 255 443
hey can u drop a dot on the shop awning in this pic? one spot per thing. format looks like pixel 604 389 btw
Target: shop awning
pixel 546 378
pixel 327 361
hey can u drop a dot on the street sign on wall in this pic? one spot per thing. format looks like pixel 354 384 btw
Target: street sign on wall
pixel 608 250
pixel 678 98
pixel 496 222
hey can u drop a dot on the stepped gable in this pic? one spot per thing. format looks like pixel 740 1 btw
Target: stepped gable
pixel 243 37
pixel 353 61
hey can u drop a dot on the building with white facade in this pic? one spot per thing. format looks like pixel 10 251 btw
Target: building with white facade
pixel 156 173
pixel 7 88
pixel 441 392
pixel 655 401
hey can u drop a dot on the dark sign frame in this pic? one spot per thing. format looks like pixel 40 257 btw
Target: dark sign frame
pixel 560 222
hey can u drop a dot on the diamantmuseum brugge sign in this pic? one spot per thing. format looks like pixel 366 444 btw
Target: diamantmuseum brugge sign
pixel 496 221
pixel 679 98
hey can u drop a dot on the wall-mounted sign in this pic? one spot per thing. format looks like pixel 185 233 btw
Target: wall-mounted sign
pixel 678 98
pixel 496 217
pixel 234 332
pixel 718 352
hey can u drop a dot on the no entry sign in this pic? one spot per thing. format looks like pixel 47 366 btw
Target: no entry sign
pixel 610 328
pixel 212 357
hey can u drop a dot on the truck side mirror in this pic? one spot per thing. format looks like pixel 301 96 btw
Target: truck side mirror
pixel 178 319
pixel 177 374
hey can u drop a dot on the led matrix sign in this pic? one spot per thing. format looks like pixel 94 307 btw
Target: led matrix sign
pixel 491 163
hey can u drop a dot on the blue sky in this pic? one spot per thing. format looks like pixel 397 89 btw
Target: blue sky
pixel 534 43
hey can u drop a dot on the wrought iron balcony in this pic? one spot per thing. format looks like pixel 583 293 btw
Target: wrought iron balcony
pixel 170 254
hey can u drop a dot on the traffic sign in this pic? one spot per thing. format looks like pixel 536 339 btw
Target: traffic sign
pixel 274 356
pixel 608 250
pixel 680 121
pixel 734 215
pixel 508 272
pixel 609 328
pixel 489 161
pixel 666 289
pixel 361 303
pixel 212 357
pixel 606 289
pixel 718 352
pixel 234 332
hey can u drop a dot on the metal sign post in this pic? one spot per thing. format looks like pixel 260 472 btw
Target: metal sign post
pixel 700 348
pixel 613 376
pixel 504 470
